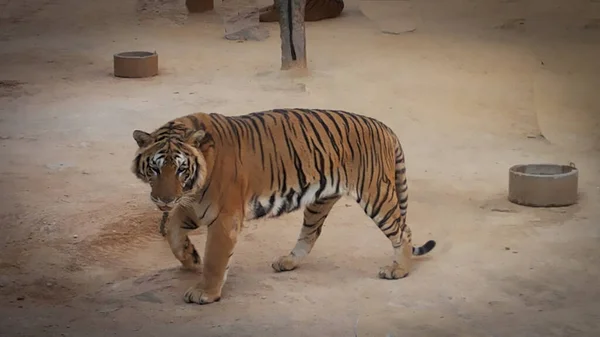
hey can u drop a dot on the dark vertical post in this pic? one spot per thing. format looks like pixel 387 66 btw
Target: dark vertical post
pixel 293 36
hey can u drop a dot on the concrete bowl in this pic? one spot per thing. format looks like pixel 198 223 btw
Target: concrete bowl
pixel 543 185
pixel 135 64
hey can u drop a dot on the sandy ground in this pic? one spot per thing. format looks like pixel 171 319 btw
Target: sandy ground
pixel 468 98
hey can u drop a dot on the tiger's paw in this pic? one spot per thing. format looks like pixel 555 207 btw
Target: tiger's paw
pixel 284 263
pixel 191 261
pixel 196 295
pixel 393 272
pixel 196 268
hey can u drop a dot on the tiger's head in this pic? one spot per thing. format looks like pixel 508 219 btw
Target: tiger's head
pixel 172 164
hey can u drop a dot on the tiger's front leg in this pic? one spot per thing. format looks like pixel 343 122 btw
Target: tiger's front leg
pixel 220 242
pixel 180 222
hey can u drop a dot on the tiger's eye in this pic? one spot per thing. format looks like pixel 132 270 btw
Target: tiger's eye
pixel 152 170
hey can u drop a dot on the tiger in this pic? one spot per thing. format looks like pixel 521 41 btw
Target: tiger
pixel 217 171
pixel 315 10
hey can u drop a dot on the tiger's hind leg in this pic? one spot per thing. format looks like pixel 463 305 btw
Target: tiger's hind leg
pixel 314 217
pixel 392 223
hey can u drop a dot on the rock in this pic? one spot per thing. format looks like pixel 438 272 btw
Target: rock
pixel 240 18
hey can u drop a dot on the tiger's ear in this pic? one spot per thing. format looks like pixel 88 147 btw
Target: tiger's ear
pixel 142 138
pixel 199 139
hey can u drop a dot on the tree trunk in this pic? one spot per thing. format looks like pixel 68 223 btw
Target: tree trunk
pixel 293 37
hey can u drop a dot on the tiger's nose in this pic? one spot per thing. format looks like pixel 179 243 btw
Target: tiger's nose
pixel 164 201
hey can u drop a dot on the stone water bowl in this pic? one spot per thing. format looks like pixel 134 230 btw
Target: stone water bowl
pixel 135 64
pixel 543 185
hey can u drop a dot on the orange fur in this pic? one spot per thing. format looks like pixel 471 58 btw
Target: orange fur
pixel 217 171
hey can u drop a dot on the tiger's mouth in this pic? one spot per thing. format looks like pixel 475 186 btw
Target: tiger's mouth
pixel 164 208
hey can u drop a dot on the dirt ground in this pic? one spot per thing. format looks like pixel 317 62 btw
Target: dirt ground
pixel 469 93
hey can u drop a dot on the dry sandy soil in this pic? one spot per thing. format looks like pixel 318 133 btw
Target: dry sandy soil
pixel 469 93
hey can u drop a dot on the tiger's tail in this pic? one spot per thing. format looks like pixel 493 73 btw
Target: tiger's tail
pixel 402 191
pixel 424 249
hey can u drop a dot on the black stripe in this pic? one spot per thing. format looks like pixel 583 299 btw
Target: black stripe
pixel 315 133
pixel 320 166
pixel 291 28
pixel 311 211
pixel 189 223
pixel 218 126
pixel 386 217
pixel 194 179
pixel 393 233
pixel 376 204
pixel 212 222
pixel 195 122
pixel 283 178
pixel 204 213
pixel 384 229
pixel 233 124
pixel 260 142
pixel 195 256
pixel 302 128
pixel 250 132
pixel 271 172
pixel 328 132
